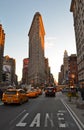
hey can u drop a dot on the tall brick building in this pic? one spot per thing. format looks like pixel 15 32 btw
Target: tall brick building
pixel 65 62
pixel 25 70
pixel 2 41
pixel 9 68
pixel 77 8
pixel 73 70
pixel 36 67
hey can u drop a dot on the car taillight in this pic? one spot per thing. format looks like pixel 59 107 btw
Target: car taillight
pixel 3 94
pixel 53 90
pixel 17 95
pixel 46 91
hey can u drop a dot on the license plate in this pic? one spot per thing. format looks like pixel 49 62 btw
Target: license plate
pixel 50 90
pixel 9 100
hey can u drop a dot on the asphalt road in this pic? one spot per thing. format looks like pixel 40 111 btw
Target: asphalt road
pixel 43 113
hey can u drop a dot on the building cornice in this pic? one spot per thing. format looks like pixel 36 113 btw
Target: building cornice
pixel 72 5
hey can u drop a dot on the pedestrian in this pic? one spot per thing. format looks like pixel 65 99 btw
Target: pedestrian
pixel 82 91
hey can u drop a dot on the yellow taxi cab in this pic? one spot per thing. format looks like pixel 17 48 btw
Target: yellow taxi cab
pixel 39 91
pixel 14 96
pixel 32 93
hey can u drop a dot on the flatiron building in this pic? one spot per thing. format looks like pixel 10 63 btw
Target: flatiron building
pixel 36 67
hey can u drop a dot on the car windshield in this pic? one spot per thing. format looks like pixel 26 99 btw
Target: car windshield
pixel 50 88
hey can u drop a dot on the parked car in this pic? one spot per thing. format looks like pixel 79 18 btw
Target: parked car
pixel 50 91
pixel 14 96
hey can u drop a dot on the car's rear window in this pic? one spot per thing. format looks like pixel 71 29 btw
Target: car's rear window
pixel 10 92
pixel 50 88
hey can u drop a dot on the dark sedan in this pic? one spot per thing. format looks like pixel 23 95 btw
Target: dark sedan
pixel 50 91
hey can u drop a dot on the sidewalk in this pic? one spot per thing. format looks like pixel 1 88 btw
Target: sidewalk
pixel 1 102
pixel 77 106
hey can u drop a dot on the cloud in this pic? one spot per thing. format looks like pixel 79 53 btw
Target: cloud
pixel 50 41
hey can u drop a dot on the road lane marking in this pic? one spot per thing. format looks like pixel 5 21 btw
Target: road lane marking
pixel 61 121
pixel 36 121
pixel 60 114
pixel 50 119
pixel 62 111
pixel 62 125
pixel 21 123
pixel 17 117
pixel 60 118
pixel 74 116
